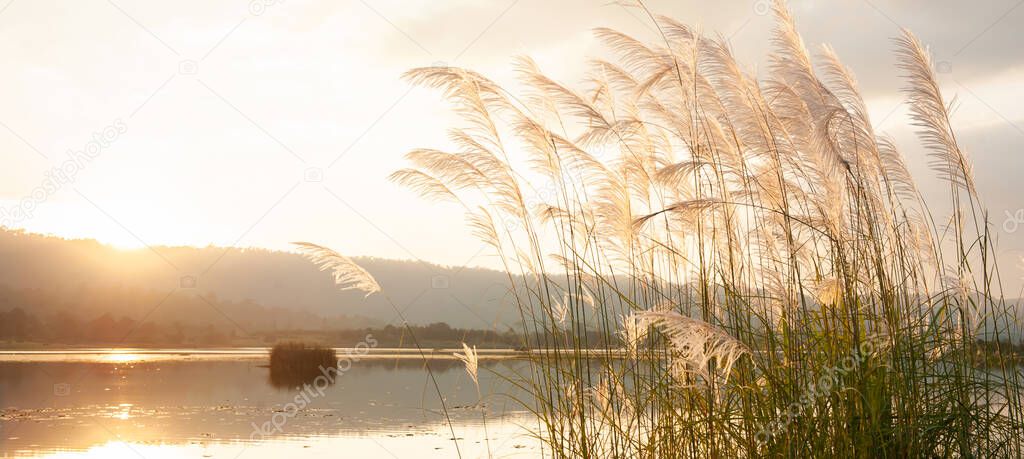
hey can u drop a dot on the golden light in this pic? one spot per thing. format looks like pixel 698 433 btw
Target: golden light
pixel 126 409
pixel 126 450
pixel 125 243
pixel 122 357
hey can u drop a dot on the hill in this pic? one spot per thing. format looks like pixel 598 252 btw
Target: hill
pixel 45 274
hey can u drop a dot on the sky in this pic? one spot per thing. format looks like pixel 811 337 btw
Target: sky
pixel 256 123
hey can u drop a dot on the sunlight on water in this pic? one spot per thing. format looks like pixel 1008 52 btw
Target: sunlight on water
pixel 120 357
pixel 191 403
pixel 506 440
pixel 124 413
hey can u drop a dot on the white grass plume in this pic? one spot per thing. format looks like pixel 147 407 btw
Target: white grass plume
pixel 472 361
pixel 829 291
pixel 347 274
pixel 695 343
pixel 930 113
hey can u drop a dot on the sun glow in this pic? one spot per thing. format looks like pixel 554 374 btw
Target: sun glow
pixel 121 357
pixel 128 450
pixel 128 243
pixel 117 226
pixel 124 412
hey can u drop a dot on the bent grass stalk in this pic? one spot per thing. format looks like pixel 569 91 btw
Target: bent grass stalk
pixel 350 276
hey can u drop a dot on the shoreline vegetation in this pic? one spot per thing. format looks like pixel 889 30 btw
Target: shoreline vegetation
pixel 782 287
pixel 19 329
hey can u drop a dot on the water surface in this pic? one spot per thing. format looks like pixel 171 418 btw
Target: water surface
pixel 107 403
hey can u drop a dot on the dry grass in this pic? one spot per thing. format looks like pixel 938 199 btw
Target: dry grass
pixel 803 300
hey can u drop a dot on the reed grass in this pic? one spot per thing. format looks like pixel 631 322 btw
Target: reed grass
pixel 294 363
pixel 763 274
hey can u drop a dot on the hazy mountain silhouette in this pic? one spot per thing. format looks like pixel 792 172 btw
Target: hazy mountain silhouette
pixel 253 288
pixel 63 272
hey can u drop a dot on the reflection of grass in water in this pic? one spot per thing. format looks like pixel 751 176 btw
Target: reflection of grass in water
pixel 294 364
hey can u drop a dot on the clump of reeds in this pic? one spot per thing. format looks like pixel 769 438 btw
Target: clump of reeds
pixel 295 363
pixel 775 282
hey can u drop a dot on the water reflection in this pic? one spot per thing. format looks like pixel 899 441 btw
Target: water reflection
pixel 210 407
pixel 296 378
pixel 507 441
pixel 122 357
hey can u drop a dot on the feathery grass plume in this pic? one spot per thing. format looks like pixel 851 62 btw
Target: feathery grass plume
pixel 347 274
pixel 829 291
pixel 697 345
pixel 424 184
pixel 930 113
pixel 759 222
pixel 472 361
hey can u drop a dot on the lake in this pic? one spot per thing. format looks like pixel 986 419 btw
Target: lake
pixel 182 403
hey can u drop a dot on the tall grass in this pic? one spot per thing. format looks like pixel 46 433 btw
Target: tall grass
pixel 765 276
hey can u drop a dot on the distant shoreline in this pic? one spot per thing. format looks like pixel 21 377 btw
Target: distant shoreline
pixel 138 354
